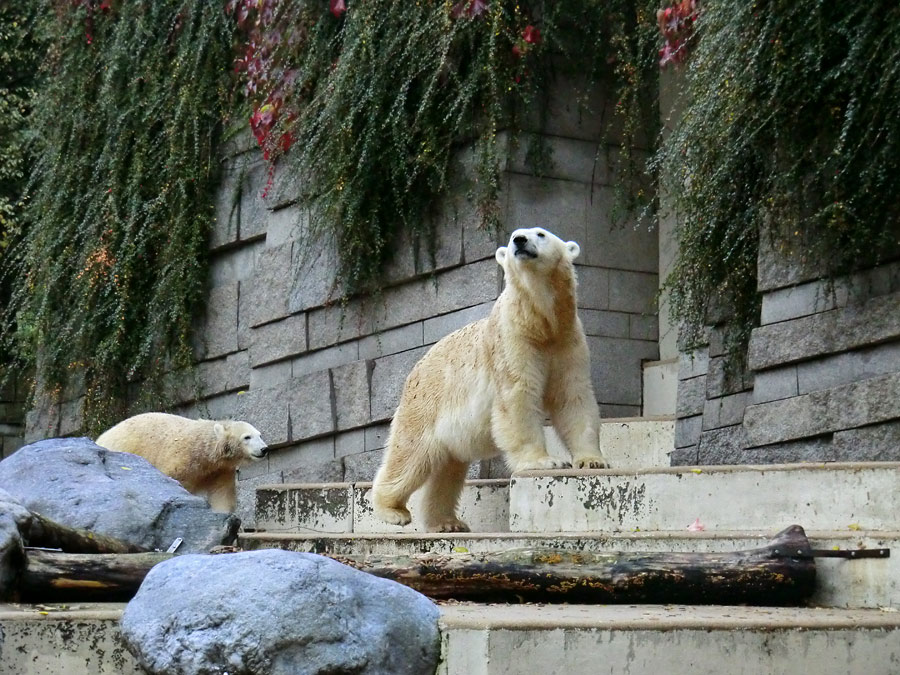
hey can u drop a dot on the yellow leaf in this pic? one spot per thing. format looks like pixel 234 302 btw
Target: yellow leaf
pixel 460 549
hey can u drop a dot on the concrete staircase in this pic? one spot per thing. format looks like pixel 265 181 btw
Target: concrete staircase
pixel 851 625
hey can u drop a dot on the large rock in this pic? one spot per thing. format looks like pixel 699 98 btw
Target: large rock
pixel 77 483
pixel 279 613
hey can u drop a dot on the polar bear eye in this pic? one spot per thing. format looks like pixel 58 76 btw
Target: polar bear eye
pixel 540 235
pixel 247 437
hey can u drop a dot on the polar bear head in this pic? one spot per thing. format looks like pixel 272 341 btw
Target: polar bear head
pixel 241 440
pixel 535 249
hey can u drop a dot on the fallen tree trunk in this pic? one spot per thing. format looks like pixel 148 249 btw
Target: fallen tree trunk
pixel 759 576
pixel 51 576
pixel 762 576
pixel 47 533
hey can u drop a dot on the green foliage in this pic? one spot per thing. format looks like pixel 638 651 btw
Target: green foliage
pixel 374 102
pixel 115 260
pixel 19 54
pixel 790 125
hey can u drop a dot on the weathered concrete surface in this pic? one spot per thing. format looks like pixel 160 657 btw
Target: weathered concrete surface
pixel 347 507
pixel 856 584
pixel 77 483
pixel 630 443
pixel 279 613
pixel 677 640
pixel 64 641
pixel 817 496
pixel 660 387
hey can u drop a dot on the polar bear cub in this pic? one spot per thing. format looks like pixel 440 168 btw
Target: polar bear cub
pixel 487 388
pixel 202 455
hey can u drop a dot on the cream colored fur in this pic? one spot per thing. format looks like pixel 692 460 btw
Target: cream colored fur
pixel 200 454
pixel 486 389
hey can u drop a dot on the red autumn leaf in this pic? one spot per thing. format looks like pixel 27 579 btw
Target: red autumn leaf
pixel 517 51
pixel 532 35
pixel 337 7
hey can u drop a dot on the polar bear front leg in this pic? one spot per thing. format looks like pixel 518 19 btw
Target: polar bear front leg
pixel 441 497
pixel 518 432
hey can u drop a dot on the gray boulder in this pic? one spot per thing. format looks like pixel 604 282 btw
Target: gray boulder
pixel 279 613
pixel 77 483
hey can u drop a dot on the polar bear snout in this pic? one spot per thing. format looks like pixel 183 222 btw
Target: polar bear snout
pixel 523 247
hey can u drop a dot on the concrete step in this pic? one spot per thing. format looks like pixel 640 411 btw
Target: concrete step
pixel 840 583
pixel 765 498
pixel 528 639
pixel 347 507
pixel 660 387
pixel 676 640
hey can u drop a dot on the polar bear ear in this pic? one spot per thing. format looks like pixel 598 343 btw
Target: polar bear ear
pixel 500 255
pixel 572 249
pixel 219 431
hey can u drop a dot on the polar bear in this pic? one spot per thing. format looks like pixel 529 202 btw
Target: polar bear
pixel 202 455
pixel 486 389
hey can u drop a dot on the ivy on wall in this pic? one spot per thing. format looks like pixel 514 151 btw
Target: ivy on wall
pixel 364 103
pixel 790 124
pixel 113 264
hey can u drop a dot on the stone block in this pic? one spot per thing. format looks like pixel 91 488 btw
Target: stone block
pixel 633 292
pixel 479 242
pixel 616 368
pixel 286 224
pixel 691 396
pixel 314 278
pixel 643 327
pixel 273 375
pixel 267 410
pixel 415 256
pixel 350 442
pixel 684 456
pixel 388 377
pixel 818 449
pixel 556 205
pixel 42 421
pixel 323 359
pixel 874 321
pixel 609 410
pixel 339 323
pixel 255 202
pixel 436 328
pixel 311 406
pixel 234 264
pixel 573 159
pixel 852 405
pixel 875 443
pixel 593 287
pixel 255 470
pixel 692 364
pixel 376 436
pixel 616 243
pixel 316 470
pixel 237 367
pixel 218 327
pixel 798 301
pixel 725 411
pixel 575 110
pixel 293 457
pixel 392 341
pixel 270 288
pixel 833 371
pixel 225 229
pixel 350 384
pixel 605 324
pixel 784 259
pixel 775 384
pixel 278 340
pixel 726 376
pixel 724 445
pixel 687 431
pixel 362 466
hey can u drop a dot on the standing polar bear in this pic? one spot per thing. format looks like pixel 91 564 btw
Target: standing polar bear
pixel 202 455
pixel 486 388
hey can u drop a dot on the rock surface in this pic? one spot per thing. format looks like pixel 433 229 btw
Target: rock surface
pixel 77 483
pixel 279 613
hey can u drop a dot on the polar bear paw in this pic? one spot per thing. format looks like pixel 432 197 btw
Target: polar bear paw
pixel 589 462
pixel 450 525
pixel 394 516
pixel 542 464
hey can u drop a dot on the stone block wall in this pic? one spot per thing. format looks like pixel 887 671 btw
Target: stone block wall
pixel 823 372
pixel 12 417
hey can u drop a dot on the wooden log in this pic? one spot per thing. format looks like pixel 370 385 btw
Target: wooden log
pixel 48 533
pixel 756 577
pixel 51 576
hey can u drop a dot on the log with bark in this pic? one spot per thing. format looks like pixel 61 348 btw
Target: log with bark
pixel 770 575
pixel 46 533
pixel 759 576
